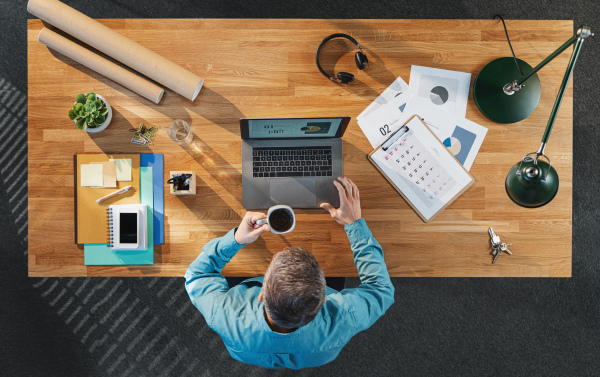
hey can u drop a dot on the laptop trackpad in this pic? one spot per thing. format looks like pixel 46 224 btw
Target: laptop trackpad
pixel 294 192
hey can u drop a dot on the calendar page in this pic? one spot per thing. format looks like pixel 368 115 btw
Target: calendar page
pixel 421 168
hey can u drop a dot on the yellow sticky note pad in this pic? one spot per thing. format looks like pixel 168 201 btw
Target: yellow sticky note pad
pixel 91 175
pixel 123 169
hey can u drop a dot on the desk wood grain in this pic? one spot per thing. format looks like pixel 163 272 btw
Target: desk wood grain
pixel 265 68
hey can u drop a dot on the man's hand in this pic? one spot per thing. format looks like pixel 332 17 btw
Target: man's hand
pixel 249 231
pixel 349 210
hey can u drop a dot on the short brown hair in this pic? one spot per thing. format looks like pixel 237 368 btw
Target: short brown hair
pixel 293 288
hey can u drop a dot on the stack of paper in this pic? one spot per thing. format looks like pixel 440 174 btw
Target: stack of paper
pixel 439 98
pixel 152 194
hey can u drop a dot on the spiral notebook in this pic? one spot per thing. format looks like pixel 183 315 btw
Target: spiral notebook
pixel 127 226
pixel 420 168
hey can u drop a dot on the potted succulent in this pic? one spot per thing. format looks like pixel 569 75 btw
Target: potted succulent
pixel 91 112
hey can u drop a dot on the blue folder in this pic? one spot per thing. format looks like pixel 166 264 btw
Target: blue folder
pixel 155 160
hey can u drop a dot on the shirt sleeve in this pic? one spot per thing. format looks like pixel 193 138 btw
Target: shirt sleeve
pixel 204 282
pixel 375 294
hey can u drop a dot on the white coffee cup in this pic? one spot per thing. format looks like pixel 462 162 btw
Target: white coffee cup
pixel 268 219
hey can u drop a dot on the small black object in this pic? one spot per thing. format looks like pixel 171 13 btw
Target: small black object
pixel 360 59
pixel 179 181
pixel 345 77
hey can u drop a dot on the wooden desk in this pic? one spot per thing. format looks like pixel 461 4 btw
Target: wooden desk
pixel 266 68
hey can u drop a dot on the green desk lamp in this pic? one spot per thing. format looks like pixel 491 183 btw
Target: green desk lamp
pixel 531 182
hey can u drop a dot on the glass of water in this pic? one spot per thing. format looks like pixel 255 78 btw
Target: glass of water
pixel 180 132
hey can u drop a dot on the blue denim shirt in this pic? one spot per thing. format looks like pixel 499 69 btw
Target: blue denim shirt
pixel 237 316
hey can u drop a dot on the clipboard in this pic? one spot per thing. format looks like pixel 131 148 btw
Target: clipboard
pixel 416 163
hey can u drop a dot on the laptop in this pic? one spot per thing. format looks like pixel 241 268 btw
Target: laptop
pixel 291 161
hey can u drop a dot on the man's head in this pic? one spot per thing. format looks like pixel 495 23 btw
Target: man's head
pixel 293 288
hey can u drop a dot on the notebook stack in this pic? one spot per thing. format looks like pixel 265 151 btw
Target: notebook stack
pixel 144 173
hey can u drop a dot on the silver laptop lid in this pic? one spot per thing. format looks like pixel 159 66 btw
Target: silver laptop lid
pixel 293 128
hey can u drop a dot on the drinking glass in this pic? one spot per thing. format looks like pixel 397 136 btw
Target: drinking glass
pixel 180 132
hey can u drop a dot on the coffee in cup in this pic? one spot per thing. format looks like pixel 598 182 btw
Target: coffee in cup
pixel 281 219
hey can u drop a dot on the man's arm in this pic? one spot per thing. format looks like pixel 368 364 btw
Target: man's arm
pixel 375 295
pixel 204 282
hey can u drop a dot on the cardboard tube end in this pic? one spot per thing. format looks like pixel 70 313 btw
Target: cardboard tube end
pixel 197 91
pixel 39 38
pixel 160 96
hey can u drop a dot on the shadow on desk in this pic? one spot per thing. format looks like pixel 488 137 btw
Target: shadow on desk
pixel 221 172
pixel 218 110
pixel 221 112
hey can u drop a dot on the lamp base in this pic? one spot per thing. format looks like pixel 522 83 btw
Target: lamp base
pixel 489 95
pixel 532 192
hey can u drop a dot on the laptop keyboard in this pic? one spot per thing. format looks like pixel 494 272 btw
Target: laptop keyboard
pixel 276 162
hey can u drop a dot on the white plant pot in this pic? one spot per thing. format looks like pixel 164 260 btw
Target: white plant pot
pixel 108 117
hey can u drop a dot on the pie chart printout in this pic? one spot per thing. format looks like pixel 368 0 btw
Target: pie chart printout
pixel 438 95
pixel 453 145
pixel 460 143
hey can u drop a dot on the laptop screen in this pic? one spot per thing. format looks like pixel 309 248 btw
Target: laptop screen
pixel 288 128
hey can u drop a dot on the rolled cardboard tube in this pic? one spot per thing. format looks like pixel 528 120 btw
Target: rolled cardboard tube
pixel 117 46
pixel 101 65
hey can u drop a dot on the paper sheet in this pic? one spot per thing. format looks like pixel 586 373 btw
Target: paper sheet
pixel 376 124
pixel 123 169
pixel 445 92
pixel 91 175
pixel 462 137
pixel 395 89
pixel 415 163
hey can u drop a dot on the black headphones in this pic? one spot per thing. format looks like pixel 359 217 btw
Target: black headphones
pixel 360 58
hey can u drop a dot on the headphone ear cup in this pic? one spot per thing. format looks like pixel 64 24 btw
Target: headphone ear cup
pixel 361 60
pixel 345 77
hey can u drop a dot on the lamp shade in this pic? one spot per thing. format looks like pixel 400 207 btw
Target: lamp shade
pixel 535 186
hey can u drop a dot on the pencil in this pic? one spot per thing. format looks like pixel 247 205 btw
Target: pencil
pixel 118 192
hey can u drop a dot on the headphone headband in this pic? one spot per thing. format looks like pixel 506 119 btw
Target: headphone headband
pixel 327 39
pixel 338 35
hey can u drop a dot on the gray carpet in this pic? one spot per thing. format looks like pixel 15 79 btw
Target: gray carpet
pixel 449 327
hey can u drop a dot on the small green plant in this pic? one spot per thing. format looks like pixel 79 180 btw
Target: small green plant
pixel 88 111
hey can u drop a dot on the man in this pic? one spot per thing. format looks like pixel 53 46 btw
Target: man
pixel 289 318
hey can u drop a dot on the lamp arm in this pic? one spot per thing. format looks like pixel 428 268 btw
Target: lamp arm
pixel 582 34
pixel 547 60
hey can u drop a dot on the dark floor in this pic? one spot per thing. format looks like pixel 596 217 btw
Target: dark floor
pixel 442 327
